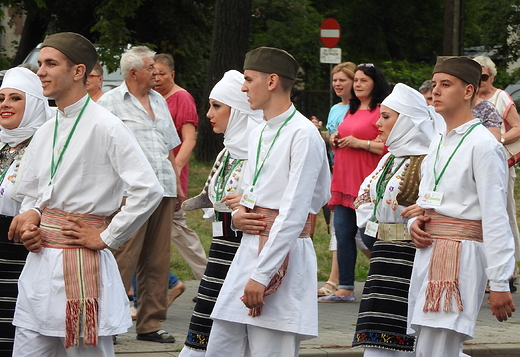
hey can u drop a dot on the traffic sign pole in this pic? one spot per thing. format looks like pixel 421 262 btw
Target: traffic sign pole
pixel 329 36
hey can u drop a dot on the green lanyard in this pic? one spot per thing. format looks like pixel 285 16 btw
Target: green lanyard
pixel 54 166
pixel 221 184
pixel 438 178
pixel 258 169
pixel 382 183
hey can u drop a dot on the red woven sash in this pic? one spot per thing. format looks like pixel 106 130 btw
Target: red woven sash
pixel 270 216
pixel 443 273
pixel 81 275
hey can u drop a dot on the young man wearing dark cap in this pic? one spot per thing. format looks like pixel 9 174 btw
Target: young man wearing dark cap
pixel 267 304
pixel 463 237
pixel 71 298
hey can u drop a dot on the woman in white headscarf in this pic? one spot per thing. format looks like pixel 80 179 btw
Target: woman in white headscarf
pixel 23 109
pixel 230 114
pixel 386 201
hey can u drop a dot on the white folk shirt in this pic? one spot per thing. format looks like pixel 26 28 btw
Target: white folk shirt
pixel 295 180
pixel 102 157
pixel 474 188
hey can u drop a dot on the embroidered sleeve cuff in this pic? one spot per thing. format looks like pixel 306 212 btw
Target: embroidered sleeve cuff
pixel 499 285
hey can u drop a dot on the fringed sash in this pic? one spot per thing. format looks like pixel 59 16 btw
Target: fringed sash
pixel 276 281
pixel 443 274
pixel 81 275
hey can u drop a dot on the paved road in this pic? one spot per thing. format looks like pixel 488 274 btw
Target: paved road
pixel 336 328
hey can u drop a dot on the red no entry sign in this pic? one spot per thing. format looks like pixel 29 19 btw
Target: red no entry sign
pixel 329 33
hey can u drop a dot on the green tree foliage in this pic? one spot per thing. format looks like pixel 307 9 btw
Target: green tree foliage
pixel 494 25
pixel 387 30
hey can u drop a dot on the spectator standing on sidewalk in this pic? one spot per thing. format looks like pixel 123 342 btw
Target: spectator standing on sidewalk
pixel 95 82
pixel 184 114
pixel 357 152
pixel 145 112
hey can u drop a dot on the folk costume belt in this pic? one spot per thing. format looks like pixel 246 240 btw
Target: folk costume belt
pixel 81 275
pixel 270 216
pixel 443 274
pixel 393 231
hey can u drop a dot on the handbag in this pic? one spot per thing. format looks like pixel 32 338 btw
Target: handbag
pixel 513 152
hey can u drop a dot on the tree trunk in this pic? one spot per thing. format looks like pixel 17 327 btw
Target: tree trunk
pixel 32 34
pixel 229 45
pixel 453 27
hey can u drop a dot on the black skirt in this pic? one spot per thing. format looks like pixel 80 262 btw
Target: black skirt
pixel 12 261
pixel 221 254
pixel 384 307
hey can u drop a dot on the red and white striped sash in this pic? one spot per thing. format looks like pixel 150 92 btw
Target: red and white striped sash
pixel 443 274
pixel 81 275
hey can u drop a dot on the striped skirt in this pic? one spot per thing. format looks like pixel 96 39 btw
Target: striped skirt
pixel 221 254
pixel 12 260
pixel 383 309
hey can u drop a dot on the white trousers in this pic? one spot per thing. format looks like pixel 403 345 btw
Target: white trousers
pixel 28 343
pixel 188 352
pixel 381 352
pixel 187 242
pixel 438 342
pixel 234 339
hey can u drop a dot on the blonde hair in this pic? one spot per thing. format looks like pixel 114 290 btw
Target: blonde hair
pixel 346 67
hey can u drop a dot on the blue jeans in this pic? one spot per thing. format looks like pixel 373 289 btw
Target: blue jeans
pixel 346 229
pixel 173 280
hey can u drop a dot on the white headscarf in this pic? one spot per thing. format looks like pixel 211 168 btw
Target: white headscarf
pixel 416 125
pixel 37 109
pixel 242 119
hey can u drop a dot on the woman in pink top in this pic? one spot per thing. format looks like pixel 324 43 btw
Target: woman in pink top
pixel 357 154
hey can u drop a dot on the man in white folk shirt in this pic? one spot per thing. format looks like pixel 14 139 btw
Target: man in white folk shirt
pixel 146 113
pixel 71 298
pixel 258 312
pixel 464 237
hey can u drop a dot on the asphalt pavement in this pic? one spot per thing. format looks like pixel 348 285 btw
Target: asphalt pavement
pixel 336 329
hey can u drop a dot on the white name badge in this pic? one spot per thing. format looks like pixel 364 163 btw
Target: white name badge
pixel 371 229
pixel 432 198
pixel 218 229
pixel 248 200
pixel 221 207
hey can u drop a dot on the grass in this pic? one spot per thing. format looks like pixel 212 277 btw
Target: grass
pixel 198 175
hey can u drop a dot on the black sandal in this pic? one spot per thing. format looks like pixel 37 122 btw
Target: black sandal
pixel 160 336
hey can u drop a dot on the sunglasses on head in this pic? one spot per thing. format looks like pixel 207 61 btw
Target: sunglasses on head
pixel 484 77
pixel 366 65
